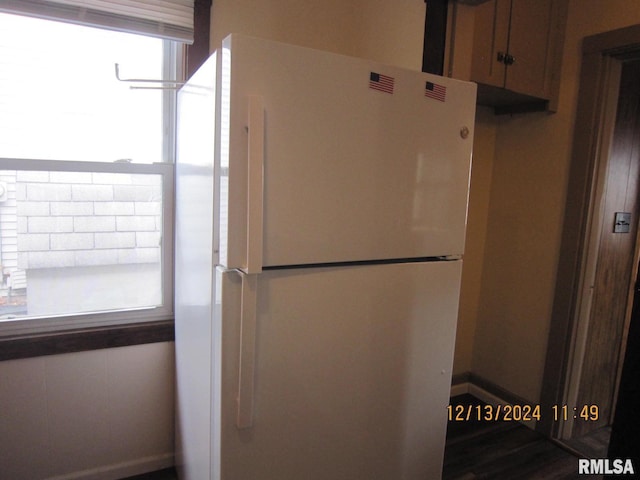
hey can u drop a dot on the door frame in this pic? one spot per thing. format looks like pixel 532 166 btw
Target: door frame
pixel 602 59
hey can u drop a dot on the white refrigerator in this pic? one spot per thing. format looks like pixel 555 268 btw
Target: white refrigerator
pixel 321 210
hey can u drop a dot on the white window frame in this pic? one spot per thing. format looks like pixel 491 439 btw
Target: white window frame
pixel 47 324
pixel 34 325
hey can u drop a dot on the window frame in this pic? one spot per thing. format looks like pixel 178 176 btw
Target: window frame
pixel 15 345
pixel 119 321
pixel 57 323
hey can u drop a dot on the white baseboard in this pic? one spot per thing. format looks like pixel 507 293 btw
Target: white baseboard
pixel 486 397
pixel 121 470
pixel 459 389
pixel 490 399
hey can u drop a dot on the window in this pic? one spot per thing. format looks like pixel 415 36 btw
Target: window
pixel 86 180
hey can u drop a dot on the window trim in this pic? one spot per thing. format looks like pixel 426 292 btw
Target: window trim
pixel 39 325
pixel 173 57
pixel 138 332
pixel 80 340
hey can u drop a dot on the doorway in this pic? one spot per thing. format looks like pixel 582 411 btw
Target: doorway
pixel 602 318
pixel 592 304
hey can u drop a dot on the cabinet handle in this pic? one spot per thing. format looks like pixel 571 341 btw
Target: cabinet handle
pixel 506 58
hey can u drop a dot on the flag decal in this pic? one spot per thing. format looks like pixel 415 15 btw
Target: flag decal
pixel 380 82
pixel 435 91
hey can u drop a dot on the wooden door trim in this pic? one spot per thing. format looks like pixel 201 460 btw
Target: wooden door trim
pixel 592 133
pixel 591 240
pixel 613 42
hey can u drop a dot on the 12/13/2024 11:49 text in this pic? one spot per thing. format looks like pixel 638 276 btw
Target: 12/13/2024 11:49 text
pixel 520 413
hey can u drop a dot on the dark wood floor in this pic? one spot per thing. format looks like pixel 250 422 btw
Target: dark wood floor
pixel 166 474
pixel 504 451
pixel 594 444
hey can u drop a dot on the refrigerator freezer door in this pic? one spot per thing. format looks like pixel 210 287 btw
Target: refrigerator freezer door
pixel 352 373
pixel 352 171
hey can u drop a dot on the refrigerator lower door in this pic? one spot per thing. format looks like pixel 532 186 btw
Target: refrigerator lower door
pixel 351 372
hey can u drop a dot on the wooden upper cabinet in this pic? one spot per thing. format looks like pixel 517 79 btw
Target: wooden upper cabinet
pixel 491 37
pixel 517 46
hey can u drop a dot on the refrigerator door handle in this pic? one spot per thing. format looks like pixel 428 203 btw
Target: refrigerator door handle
pixel 246 374
pixel 255 186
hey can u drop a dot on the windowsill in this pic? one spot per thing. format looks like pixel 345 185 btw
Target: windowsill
pixel 37 345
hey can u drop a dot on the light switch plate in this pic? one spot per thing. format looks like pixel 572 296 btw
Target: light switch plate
pixel 622 222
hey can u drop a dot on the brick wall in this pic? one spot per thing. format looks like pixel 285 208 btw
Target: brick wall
pixel 80 219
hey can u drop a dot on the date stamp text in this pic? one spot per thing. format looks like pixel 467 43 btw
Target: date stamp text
pixel 521 413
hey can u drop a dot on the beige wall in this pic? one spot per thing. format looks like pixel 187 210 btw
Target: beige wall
pixel 103 414
pixel 479 198
pixel 324 25
pixel 391 31
pixel 382 30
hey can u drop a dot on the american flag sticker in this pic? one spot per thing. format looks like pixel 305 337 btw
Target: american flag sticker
pixel 435 91
pixel 380 82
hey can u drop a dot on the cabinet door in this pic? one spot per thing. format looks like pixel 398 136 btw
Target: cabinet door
pixel 491 36
pixel 529 44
